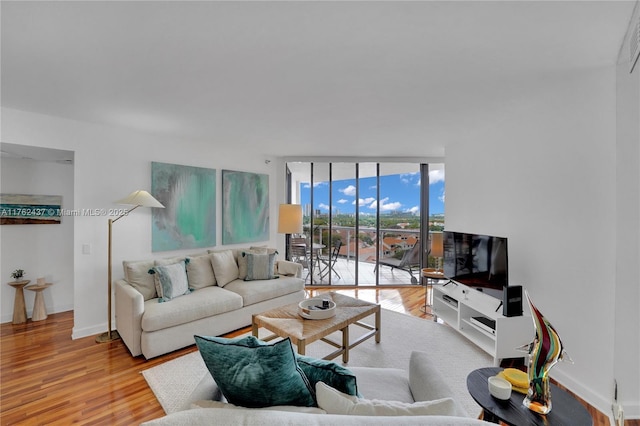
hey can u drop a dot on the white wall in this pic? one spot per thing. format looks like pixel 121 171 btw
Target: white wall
pixel 543 174
pixel 627 301
pixel 109 164
pixel 41 250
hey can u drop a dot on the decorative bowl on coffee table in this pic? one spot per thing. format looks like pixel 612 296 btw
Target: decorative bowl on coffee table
pixel 317 308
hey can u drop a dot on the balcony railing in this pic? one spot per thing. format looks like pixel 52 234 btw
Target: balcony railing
pixel 392 244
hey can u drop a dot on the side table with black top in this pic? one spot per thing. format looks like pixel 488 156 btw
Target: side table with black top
pixel 565 409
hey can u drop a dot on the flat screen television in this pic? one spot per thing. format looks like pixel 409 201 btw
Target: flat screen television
pixel 478 261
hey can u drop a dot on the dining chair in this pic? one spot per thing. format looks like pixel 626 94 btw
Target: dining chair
pixel 299 252
pixel 330 260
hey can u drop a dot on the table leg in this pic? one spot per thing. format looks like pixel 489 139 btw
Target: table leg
pixel 39 309
pixel 302 346
pixel 345 344
pixel 19 307
pixel 254 328
pixel 427 296
pixel 378 323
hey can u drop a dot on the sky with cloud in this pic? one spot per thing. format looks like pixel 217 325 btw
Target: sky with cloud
pixel 398 193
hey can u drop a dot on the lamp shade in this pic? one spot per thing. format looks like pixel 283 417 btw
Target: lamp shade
pixel 141 198
pixel 290 219
pixel 437 249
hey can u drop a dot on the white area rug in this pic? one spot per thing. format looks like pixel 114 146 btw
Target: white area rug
pixel 183 380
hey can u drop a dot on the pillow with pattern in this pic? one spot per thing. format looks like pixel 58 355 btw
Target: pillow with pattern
pixel 260 266
pixel 171 280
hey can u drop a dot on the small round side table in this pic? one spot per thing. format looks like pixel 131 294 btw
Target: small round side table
pixel 39 309
pixel 566 410
pixel 430 275
pixel 19 307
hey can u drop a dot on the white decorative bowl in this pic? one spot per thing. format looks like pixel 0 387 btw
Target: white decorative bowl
pixel 314 309
pixel 499 388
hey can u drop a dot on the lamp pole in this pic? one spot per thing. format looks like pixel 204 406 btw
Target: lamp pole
pixel 111 335
pixel 137 199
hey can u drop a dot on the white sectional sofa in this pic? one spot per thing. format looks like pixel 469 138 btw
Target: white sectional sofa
pixel 421 383
pixel 221 299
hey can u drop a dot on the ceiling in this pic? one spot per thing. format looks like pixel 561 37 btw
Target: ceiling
pixel 297 78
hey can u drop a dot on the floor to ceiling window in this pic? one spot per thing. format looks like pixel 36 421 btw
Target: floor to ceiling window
pixel 364 222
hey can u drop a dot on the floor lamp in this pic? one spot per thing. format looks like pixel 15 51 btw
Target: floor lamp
pixel 289 222
pixel 135 199
pixel 437 249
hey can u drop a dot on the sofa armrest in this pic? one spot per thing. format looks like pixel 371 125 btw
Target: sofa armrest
pixel 286 267
pixel 129 311
pixel 426 382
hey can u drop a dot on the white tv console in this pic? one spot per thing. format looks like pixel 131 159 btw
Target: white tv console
pixel 456 304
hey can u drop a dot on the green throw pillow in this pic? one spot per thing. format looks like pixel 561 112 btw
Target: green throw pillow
pixel 328 372
pixel 255 374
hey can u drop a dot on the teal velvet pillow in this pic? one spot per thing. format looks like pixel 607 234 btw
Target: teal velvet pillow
pixel 255 374
pixel 328 372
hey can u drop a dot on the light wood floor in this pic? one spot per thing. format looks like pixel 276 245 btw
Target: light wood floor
pixel 48 379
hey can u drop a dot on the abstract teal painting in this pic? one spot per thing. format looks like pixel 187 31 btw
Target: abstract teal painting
pixel 189 197
pixel 245 207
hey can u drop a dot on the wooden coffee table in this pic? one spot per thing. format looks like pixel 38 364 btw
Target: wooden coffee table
pixel 286 322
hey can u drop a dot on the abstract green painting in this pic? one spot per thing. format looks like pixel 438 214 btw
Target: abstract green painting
pixel 189 197
pixel 245 207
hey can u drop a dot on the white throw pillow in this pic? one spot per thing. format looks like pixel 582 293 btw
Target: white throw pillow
pixel 225 267
pixel 200 272
pixel 171 280
pixel 336 402
pixel 137 275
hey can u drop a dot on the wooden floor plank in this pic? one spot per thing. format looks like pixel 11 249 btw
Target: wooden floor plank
pixel 48 378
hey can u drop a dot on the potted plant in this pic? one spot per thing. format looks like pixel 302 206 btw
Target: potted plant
pixel 17 274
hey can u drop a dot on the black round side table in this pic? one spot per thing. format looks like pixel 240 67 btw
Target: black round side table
pixel 565 410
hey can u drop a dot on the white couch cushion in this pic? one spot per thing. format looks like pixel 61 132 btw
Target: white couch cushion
pixel 225 267
pixel 168 260
pixel 219 416
pixel 171 280
pixel 137 274
pixel 289 408
pixel 383 383
pixel 258 291
pixel 203 303
pixel 336 402
pixel 200 272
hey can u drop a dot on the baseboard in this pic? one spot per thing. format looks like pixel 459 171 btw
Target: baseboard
pixel 600 402
pixel 79 333
pixel 56 309
pixel 631 410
